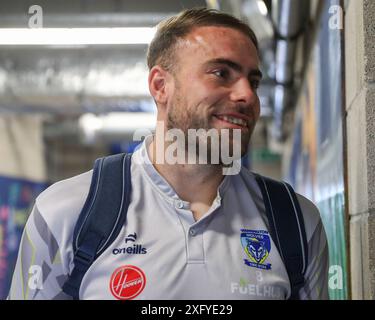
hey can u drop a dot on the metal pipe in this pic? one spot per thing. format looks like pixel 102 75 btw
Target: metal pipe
pixel 289 18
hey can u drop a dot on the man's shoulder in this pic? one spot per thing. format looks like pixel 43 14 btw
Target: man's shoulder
pixel 64 199
pixel 309 210
pixel 311 215
pixel 72 187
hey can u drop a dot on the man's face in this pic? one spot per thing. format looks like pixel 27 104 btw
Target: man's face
pixel 215 80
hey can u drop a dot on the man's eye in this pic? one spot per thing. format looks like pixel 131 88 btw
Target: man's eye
pixel 221 73
pixel 255 84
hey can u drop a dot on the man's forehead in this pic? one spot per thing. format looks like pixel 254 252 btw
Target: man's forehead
pixel 216 41
pixel 212 35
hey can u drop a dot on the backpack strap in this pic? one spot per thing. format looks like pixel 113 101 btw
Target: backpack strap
pixel 102 217
pixel 287 228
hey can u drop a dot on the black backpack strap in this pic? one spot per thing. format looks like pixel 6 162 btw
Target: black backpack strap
pixel 102 216
pixel 287 228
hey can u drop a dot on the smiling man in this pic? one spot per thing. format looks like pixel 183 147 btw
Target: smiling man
pixel 207 80
pixel 191 232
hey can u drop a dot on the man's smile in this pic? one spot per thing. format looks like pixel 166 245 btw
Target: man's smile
pixel 234 120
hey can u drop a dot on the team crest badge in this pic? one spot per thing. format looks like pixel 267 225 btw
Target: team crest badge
pixel 257 246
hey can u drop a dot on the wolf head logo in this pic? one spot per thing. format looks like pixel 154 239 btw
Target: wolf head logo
pixel 257 246
pixel 257 250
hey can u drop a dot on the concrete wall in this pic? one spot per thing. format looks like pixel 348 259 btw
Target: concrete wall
pixel 21 147
pixel 360 122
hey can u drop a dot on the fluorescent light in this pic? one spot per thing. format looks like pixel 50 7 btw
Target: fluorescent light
pixel 128 121
pixel 116 124
pixel 262 7
pixel 75 36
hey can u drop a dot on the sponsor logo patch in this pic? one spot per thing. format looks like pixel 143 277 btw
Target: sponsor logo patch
pixel 127 282
pixel 257 246
pixel 131 249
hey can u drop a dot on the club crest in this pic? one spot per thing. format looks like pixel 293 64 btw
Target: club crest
pixel 257 246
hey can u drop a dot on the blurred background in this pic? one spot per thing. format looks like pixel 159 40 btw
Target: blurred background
pixel 80 91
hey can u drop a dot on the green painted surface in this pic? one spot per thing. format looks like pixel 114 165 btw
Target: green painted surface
pixel 332 212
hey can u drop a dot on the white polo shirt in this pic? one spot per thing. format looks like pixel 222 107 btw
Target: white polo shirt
pixel 162 252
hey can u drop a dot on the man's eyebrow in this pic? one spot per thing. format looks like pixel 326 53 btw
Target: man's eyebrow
pixel 235 66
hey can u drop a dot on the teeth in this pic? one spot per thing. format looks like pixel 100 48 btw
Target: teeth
pixel 235 120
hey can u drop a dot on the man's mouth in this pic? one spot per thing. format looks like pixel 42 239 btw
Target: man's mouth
pixel 232 120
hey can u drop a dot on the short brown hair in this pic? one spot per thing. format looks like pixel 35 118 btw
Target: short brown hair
pixel 160 50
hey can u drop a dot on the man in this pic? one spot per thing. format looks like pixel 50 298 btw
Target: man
pixel 182 238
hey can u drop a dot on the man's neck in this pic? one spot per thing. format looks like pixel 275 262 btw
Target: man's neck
pixel 195 183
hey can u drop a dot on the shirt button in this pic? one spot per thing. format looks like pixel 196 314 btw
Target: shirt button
pixel 192 232
pixel 180 205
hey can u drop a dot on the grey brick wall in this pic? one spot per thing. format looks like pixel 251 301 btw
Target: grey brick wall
pixel 360 122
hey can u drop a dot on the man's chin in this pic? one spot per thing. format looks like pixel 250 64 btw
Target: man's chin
pixel 227 155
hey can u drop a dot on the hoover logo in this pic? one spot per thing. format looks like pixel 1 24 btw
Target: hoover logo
pixel 134 249
pixel 127 282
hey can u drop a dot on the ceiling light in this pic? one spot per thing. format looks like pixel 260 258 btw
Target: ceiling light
pixel 116 124
pixel 262 7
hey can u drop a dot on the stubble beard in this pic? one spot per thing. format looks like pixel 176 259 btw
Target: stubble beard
pixel 182 118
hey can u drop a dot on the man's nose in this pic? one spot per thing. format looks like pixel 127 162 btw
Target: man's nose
pixel 243 92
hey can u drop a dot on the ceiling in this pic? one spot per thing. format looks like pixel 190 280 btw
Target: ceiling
pixel 78 79
pixel 74 80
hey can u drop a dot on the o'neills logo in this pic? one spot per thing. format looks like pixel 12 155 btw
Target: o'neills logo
pixel 135 249
pixel 127 282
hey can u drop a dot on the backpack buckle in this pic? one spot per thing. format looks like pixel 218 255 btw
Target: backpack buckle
pixel 83 259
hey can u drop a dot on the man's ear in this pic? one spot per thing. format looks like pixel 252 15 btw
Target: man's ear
pixel 157 84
